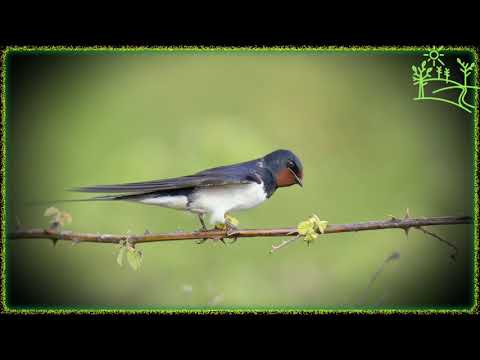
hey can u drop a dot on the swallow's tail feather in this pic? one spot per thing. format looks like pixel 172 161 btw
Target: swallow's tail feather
pixel 206 178
pixel 136 196
pixel 96 198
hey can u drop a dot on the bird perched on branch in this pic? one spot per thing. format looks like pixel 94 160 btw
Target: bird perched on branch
pixel 214 192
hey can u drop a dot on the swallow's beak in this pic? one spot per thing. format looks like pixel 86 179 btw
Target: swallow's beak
pixel 297 179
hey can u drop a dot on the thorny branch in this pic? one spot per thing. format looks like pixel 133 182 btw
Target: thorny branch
pixel 392 223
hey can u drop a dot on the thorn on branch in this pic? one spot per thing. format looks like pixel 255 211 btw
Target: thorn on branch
pixel 406 217
pixel 392 218
pixel 407 214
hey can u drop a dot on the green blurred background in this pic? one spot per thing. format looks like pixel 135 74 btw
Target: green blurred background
pixel 368 150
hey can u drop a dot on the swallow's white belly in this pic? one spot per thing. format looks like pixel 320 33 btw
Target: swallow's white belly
pixel 172 202
pixel 215 200
pixel 228 197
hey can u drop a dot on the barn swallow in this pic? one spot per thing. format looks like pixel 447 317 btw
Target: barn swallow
pixel 214 192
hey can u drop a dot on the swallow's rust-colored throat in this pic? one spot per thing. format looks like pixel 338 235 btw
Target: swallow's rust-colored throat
pixel 287 177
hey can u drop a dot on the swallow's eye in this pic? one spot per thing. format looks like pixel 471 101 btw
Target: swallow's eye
pixel 292 165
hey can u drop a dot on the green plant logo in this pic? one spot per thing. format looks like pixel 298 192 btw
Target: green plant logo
pixel 434 71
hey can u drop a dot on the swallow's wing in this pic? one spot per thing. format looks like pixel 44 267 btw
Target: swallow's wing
pixel 211 177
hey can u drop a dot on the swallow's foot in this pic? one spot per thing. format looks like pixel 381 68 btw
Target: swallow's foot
pixel 217 227
pixel 230 226
pixel 220 239
pixel 231 231
pixel 202 229
pixel 234 239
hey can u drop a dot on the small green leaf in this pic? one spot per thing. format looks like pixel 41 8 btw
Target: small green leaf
pixel 51 211
pixel 232 220
pixel 220 226
pixel 319 224
pixel 322 225
pixel 310 236
pixel 134 259
pixel 304 227
pixel 121 255
pixel 66 217
pixel 309 228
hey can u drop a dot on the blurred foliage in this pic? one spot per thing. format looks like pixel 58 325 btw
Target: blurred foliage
pixel 367 148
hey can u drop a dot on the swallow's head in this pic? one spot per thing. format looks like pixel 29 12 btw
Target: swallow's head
pixel 286 167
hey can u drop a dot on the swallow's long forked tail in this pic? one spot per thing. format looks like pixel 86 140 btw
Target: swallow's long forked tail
pixel 51 202
pixel 134 196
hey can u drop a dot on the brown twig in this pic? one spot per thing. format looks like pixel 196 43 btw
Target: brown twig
pixel 283 243
pixel 393 223
pixel 455 249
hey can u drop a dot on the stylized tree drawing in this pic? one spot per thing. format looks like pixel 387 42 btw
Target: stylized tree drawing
pixel 447 74
pixel 420 77
pixel 465 69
